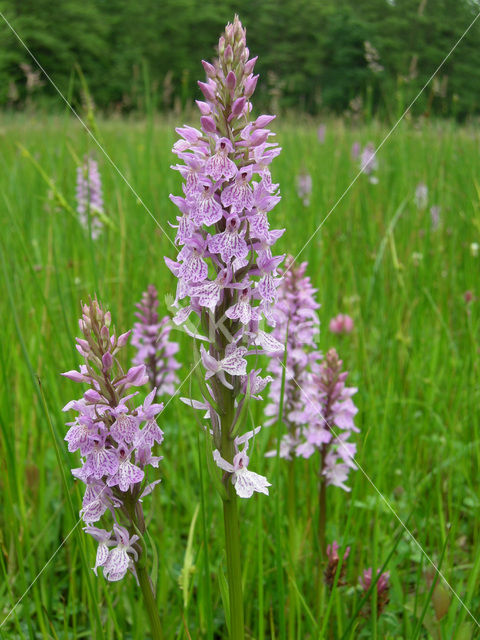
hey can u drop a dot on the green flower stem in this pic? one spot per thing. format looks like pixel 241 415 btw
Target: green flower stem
pixel 292 534
pixel 149 601
pixel 136 514
pixel 322 507
pixel 232 530
pixel 322 521
pixel 234 569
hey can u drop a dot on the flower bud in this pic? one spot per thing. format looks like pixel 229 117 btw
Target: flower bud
pixel 259 137
pixel 91 395
pixel 204 107
pixel 231 81
pixel 229 32
pixel 238 106
pixel 250 84
pixel 263 121
pixel 74 375
pixel 107 361
pixel 249 66
pixel 123 339
pixel 228 54
pixel 208 124
pixel 209 69
pixel 207 91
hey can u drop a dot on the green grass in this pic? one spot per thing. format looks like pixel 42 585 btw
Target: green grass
pixel 414 355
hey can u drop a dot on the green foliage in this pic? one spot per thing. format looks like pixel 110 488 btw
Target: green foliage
pixel 414 355
pixel 140 56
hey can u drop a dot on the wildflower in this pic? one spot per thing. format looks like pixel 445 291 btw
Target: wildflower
pixel 333 560
pixel 330 421
pixel 417 258
pixel 89 197
pixel 435 216
pixel 355 151
pixel 304 187
pixel 372 57
pixel 245 482
pixel 224 223
pixel 226 269
pixel 107 432
pixel 474 247
pixel 298 324
pixel 369 162
pixel 321 131
pixel 421 196
pixel 121 558
pixel 383 586
pixel 341 323
pixel 150 335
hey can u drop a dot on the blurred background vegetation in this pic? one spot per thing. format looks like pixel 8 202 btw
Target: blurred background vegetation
pixel 359 58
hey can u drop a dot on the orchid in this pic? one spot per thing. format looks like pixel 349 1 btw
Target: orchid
pixel 369 162
pixel 227 273
pixel 151 337
pixel 297 325
pixel 245 482
pixel 89 197
pixel 382 586
pixel 115 450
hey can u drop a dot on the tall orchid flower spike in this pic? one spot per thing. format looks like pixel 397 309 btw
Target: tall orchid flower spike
pixel 89 197
pixel 115 440
pixel 151 337
pixel 297 325
pixel 227 273
pixel 318 409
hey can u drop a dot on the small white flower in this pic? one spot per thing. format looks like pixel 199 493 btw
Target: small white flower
pixel 245 482
pixel 417 258
pixel 474 247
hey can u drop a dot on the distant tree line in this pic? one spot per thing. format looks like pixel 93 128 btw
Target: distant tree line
pixel 362 57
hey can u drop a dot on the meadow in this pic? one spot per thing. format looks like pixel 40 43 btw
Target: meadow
pixel 412 290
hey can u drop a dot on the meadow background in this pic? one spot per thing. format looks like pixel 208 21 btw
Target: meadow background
pixel 412 290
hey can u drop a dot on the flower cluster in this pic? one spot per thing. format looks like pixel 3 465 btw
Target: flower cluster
pixel 318 407
pixel 321 132
pixel 435 216
pixel 421 196
pixel 297 326
pixel 150 335
pixel 329 420
pixel 89 197
pixel 114 438
pixel 225 268
pixel 333 560
pixel 342 323
pixel 304 187
pixel 383 587
pixel 369 162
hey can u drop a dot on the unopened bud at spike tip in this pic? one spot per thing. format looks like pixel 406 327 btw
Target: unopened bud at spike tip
pixel 228 54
